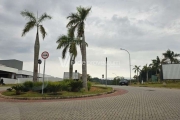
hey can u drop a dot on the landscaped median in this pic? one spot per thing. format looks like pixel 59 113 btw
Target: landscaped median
pixel 54 90
pixel 159 85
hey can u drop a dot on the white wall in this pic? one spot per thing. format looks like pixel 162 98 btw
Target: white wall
pixel 22 80
pixel 24 72
pixel 171 71
pixel 9 81
pixel 75 75
pixel 8 69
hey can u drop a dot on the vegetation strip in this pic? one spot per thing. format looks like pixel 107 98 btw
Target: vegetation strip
pixel 58 97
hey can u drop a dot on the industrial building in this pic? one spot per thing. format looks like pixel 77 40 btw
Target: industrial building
pixel 13 69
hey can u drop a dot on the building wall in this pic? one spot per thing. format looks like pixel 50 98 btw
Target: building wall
pixel 22 80
pixel 12 63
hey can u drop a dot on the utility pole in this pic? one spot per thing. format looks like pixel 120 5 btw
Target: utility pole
pixel 106 71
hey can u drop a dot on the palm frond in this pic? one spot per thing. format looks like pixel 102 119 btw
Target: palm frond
pixel 83 12
pixel 44 17
pixel 29 25
pixel 43 32
pixel 73 49
pixel 28 15
pixel 71 31
pixel 65 51
pixel 62 41
pixel 80 29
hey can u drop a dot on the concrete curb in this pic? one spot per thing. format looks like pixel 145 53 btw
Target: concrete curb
pixel 51 98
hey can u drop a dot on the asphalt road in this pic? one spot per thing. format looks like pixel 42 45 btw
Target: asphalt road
pixel 138 104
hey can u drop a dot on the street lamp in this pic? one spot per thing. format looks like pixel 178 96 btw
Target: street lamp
pixel 129 62
pixel 115 78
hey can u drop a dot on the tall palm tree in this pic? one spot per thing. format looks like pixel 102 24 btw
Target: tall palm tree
pixel 69 43
pixel 35 22
pixel 170 55
pixel 156 63
pixel 77 22
pixel 146 68
pixel 137 69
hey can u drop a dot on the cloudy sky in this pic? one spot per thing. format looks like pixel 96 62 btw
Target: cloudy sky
pixel 146 28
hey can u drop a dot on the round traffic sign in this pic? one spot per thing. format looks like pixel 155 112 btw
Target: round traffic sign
pixel 45 55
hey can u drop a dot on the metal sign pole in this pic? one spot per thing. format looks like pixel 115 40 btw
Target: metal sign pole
pixel 39 72
pixel 106 71
pixel 43 76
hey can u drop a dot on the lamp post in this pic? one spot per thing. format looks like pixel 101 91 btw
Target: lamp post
pixel 129 62
pixel 115 78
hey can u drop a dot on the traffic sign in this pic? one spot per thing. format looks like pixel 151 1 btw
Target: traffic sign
pixel 45 55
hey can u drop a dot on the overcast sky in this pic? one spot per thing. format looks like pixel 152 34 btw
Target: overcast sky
pixel 146 28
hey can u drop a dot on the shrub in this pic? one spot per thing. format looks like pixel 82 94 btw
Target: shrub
pixel 89 85
pixel 65 85
pixel 28 85
pixel 54 87
pixel 18 88
pixel 9 89
pixel 76 85
pixel 37 86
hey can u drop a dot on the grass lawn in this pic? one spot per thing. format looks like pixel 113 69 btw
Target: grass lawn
pixel 7 85
pixel 168 85
pixel 94 90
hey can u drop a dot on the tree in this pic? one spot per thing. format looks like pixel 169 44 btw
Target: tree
pixel 146 68
pixel 35 22
pixel 69 43
pixel 170 55
pixel 77 22
pixel 137 69
pixel 156 63
pixel 117 79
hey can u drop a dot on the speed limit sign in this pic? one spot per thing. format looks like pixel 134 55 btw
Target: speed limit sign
pixel 45 55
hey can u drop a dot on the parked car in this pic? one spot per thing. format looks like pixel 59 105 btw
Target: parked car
pixel 124 82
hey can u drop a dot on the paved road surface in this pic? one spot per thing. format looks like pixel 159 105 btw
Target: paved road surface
pixel 138 104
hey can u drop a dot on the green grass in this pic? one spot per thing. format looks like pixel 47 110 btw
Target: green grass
pixel 94 90
pixel 160 85
pixel 7 85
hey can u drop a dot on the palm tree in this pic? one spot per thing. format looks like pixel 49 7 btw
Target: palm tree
pixel 170 55
pixel 69 43
pixel 156 63
pixel 137 69
pixel 146 68
pixel 77 22
pixel 35 22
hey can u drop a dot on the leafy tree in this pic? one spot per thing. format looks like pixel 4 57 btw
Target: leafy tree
pixel 77 22
pixel 35 22
pixel 117 79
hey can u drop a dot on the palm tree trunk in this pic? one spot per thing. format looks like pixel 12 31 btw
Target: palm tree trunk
pixel 147 75
pixel 137 77
pixel 84 63
pixel 71 68
pixel 36 56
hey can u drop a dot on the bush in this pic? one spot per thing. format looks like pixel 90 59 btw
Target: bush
pixel 18 88
pixel 89 85
pixel 9 89
pixel 54 87
pixel 76 85
pixel 28 85
pixel 37 86
pixel 65 85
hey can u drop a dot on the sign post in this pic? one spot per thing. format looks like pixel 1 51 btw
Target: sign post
pixel 102 78
pixel 44 55
pixel 39 62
